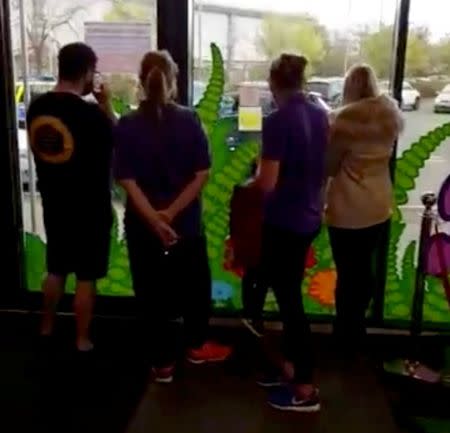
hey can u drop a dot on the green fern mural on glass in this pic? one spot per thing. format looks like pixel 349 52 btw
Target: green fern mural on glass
pixel 400 282
pixel 209 105
pixel 230 167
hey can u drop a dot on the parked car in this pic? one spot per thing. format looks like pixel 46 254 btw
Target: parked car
pixel 37 88
pixel 316 98
pixel 266 100
pixel 24 166
pixel 267 105
pixel 329 89
pixel 411 97
pixel 442 101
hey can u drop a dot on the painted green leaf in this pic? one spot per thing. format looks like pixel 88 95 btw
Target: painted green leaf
pixel 34 261
pixel 409 267
pixel 120 107
pixel 209 106
pixel 218 142
pixel 413 159
pixel 393 278
pixel 115 235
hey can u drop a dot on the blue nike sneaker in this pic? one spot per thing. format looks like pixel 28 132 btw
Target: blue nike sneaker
pixel 284 399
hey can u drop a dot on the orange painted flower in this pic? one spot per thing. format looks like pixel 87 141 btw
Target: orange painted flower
pixel 322 287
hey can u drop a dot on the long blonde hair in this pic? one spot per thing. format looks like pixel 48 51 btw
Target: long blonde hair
pixel 360 83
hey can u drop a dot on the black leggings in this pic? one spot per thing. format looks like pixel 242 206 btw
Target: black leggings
pixel 354 253
pixel 283 265
pixel 170 287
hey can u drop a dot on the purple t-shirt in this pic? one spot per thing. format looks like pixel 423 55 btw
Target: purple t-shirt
pixel 296 135
pixel 163 160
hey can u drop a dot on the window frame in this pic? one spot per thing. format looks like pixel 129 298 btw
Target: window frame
pixel 172 14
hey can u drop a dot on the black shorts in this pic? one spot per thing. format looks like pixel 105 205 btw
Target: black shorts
pixel 78 247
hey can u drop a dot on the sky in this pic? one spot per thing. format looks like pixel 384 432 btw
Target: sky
pixel 341 14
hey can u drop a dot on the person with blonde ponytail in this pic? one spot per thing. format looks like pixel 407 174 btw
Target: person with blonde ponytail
pixel 162 162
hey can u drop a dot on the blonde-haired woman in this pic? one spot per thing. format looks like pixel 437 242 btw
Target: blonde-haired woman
pixel 162 162
pixel 359 197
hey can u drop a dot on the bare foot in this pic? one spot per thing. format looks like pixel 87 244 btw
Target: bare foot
pixel 85 345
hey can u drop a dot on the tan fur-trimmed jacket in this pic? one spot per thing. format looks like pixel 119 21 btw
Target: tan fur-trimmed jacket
pixel 362 137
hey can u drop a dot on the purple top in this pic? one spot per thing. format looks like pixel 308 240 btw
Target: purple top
pixel 163 160
pixel 296 135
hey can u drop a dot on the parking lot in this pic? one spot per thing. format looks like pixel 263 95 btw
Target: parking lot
pixel 417 123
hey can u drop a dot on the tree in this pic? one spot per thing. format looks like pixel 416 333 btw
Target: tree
pixel 122 85
pixel 303 35
pixel 43 18
pixel 441 56
pixel 418 54
pixel 335 56
pixel 376 48
pixel 132 10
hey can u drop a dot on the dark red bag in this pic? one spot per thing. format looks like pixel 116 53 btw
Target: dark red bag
pixel 246 221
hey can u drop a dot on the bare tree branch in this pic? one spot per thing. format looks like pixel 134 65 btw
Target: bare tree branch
pixel 41 21
pixel 74 30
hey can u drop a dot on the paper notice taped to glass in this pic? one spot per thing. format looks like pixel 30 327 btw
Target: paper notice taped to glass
pixel 250 119
pixel 249 95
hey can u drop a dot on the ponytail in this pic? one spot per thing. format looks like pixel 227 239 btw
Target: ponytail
pixel 158 79
pixel 157 92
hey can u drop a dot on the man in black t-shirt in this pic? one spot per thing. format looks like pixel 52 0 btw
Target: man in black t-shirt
pixel 72 145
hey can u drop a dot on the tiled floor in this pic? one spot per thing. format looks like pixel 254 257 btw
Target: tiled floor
pixel 112 391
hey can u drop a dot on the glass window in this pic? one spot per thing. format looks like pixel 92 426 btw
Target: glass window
pixel 320 87
pixel 120 33
pixel 423 157
pixel 246 35
pixel 407 86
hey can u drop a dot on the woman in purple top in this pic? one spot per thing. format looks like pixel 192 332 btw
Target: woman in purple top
pixel 292 177
pixel 162 162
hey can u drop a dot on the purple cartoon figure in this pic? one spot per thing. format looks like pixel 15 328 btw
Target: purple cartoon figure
pixel 437 249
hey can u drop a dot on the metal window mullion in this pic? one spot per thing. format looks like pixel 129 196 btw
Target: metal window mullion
pixel 26 84
pixel 11 215
pixel 173 35
pixel 400 42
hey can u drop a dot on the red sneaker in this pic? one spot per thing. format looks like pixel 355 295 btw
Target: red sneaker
pixel 209 352
pixel 163 374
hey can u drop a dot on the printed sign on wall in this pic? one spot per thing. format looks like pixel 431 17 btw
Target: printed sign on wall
pixel 119 46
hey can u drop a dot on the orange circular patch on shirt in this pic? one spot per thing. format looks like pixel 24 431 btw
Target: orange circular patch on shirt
pixel 51 140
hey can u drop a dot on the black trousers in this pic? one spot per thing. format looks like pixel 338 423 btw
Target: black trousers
pixel 254 292
pixel 171 287
pixel 283 264
pixel 354 252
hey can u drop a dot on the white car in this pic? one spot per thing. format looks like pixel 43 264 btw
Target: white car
pixel 410 96
pixel 24 166
pixel 442 101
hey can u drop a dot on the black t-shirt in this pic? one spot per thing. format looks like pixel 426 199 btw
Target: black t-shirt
pixel 72 143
